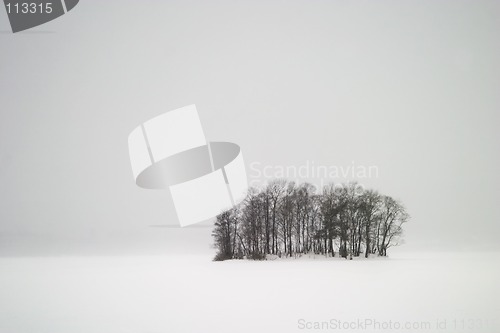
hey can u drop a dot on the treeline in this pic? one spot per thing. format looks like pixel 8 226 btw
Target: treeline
pixel 286 219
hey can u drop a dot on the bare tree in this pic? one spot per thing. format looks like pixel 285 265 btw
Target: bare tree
pixel 291 219
pixel 370 203
pixel 393 216
pixel 224 234
pixel 275 191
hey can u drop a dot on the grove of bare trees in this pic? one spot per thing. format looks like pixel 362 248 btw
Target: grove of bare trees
pixel 289 219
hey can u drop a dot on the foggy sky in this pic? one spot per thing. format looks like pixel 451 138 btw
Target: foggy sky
pixel 409 86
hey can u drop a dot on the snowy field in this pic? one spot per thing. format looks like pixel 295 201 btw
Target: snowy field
pixel 428 292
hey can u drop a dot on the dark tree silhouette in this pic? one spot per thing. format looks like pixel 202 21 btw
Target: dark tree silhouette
pixel 286 219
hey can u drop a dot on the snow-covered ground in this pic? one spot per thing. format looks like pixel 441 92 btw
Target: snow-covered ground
pixel 432 292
